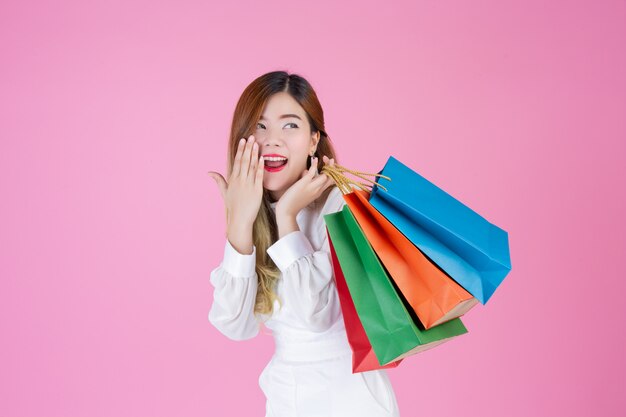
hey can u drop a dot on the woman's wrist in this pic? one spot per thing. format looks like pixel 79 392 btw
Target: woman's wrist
pixel 286 223
pixel 240 237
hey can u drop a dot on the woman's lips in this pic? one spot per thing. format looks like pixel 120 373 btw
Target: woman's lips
pixel 272 166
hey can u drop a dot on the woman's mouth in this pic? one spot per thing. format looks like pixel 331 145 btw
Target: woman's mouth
pixel 275 164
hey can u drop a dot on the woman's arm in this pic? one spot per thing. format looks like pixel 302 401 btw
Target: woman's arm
pixel 234 296
pixel 307 281
pixel 308 277
pixel 235 279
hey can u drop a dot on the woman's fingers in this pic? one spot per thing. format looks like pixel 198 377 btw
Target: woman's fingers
pixel 253 162
pixel 258 180
pixel 245 158
pixel 241 166
pixel 237 162
pixel 313 167
pixel 322 181
pixel 329 182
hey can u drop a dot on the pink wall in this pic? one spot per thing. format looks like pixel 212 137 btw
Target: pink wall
pixel 112 113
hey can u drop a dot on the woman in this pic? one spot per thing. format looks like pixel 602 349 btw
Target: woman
pixel 277 268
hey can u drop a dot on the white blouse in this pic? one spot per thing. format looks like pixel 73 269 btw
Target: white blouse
pixel 310 312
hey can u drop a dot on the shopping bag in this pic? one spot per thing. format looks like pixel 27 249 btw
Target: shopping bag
pixel 470 249
pixel 363 356
pixel 433 295
pixel 391 329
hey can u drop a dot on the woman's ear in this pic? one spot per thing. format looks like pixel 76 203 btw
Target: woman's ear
pixel 315 140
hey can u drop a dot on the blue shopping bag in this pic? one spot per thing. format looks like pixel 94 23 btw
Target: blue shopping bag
pixel 471 250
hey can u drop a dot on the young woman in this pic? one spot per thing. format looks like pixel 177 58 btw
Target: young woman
pixel 277 268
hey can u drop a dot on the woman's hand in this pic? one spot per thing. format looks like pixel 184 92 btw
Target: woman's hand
pixel 304 191
pixel 243 192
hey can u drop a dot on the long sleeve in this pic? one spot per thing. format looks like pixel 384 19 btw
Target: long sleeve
pixel 308 277
pixel 235 287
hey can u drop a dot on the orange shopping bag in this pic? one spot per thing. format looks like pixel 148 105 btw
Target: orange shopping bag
pixel 432 294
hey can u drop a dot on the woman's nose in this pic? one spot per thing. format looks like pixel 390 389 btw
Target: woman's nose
pixel 270 139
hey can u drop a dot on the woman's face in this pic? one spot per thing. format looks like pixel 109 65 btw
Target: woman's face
pixel 284 131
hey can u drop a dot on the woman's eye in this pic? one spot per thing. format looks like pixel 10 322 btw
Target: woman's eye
pixel 260 125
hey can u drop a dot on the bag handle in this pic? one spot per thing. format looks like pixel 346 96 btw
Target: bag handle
pixel 336 172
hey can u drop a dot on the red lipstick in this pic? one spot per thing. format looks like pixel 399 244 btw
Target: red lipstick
pixel 274 168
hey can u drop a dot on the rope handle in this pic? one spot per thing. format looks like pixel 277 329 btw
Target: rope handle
pixel 336 172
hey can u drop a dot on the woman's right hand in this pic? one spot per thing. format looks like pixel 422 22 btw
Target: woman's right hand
pixel 243 192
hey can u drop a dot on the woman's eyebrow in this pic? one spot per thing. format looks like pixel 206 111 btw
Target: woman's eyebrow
pixel 284 116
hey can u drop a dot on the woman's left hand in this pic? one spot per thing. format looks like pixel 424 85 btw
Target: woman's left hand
pixel 304 191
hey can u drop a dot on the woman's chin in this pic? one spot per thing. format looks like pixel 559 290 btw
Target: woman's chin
pixel 270 189
pixel 273 185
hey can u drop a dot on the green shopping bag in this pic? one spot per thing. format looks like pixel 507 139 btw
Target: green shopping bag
pixel 392 330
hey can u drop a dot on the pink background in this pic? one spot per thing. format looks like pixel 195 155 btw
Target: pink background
pixel 111 114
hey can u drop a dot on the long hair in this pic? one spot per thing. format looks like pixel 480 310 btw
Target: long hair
pixel 247 113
